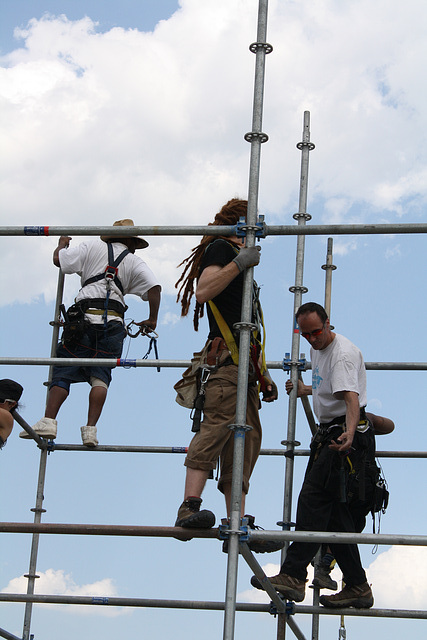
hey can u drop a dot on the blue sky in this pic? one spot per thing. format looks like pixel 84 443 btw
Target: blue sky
pixel 118 110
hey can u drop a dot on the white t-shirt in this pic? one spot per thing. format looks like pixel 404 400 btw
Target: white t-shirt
pixel 88 259
pixel 339 367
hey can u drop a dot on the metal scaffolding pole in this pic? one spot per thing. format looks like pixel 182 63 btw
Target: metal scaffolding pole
pixel 7 635
pixel 204 605
pixel 38 510
pixel 183 364
pixel 328 267
pixel 298 289
pixel 217 230
pixel 245 327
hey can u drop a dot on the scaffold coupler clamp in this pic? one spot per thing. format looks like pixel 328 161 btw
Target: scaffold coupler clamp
pixel 242 227
pixel 286 526
pixel 301 362
pixel 50 448
pixel 290 607
pixel 224 530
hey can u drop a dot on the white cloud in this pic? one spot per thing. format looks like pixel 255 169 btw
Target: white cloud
pixel 398 578
pixel 170 318
pixel 100 126
pixel 57 582
pixel 393 252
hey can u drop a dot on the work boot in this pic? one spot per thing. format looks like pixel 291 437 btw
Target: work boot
pixel 358 596
pixel 257 546
pixel 288 586
pixel 45 428
pixel 190 517
pixel 322 578
pixel 89 436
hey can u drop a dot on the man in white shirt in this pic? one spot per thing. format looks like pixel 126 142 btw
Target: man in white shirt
pixel 109 269
pixel 339 399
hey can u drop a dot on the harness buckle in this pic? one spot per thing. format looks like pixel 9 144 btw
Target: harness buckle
pixel 111 272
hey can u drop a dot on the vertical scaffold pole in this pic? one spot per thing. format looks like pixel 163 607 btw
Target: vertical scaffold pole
pixel 38 509
pixel 256 138
pixel 298 289
pixel 328 267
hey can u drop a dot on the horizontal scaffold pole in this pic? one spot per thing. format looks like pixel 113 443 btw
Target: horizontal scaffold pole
pixel 180 534
pixel 116 448
pixel 130 602
pixel 201 604
pixel 268 230
pixel 127 363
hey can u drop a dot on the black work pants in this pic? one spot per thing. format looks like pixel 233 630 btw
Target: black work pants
pixel 320 509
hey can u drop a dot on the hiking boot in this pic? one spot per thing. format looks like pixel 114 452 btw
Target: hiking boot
pixel 89 436
pixel 322 579
pixel 257 546
pixel 190 516
pixel 46 428
pixel 288 586
pixel 358 596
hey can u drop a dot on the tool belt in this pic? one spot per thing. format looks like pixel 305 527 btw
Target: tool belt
pixel 99 303
pixel 352 463
pixel 218 354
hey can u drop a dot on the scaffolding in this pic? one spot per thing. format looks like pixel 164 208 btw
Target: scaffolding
pixel 237 533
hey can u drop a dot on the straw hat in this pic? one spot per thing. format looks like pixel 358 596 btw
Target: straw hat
pixel 140 243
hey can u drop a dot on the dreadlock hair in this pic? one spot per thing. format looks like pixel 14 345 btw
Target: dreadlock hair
pixel 229 214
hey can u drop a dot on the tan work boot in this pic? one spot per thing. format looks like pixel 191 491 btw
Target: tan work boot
pixel 359 596
pixel 190 516
pixel 292 588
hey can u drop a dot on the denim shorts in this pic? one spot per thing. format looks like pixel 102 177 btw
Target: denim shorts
pixel 97 342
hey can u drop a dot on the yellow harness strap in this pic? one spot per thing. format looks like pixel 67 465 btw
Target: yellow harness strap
pixel 226 332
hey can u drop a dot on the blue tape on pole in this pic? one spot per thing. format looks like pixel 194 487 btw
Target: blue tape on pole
pixel 36 231
pixel 179 449
pixel 122 362
pixel 99 600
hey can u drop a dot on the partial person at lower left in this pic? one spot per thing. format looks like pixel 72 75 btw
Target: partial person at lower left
pixel 10 394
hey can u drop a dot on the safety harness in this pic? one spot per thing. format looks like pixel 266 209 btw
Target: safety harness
pixel 111 275
pixel 257 346
pixel 213 356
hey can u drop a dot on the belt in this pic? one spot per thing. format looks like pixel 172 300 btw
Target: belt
pixel 99 304
pixel 341 419
pixel 100 312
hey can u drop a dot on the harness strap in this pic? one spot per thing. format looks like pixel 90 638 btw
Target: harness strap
pixel 225 331
pixel 111 270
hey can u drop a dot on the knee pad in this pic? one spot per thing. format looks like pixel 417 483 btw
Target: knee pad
pixel 96 382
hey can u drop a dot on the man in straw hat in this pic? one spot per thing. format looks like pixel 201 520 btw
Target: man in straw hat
pixel 109 269
pixel 10 393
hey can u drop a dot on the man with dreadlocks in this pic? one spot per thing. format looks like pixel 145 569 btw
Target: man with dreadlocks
pixel 216 265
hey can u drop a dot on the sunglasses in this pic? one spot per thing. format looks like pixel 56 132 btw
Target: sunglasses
pixel 313 334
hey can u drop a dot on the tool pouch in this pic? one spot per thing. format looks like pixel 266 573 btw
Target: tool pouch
pixel 75 324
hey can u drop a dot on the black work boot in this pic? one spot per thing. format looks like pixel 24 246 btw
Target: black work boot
pixel 190 516
pixel 322 578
